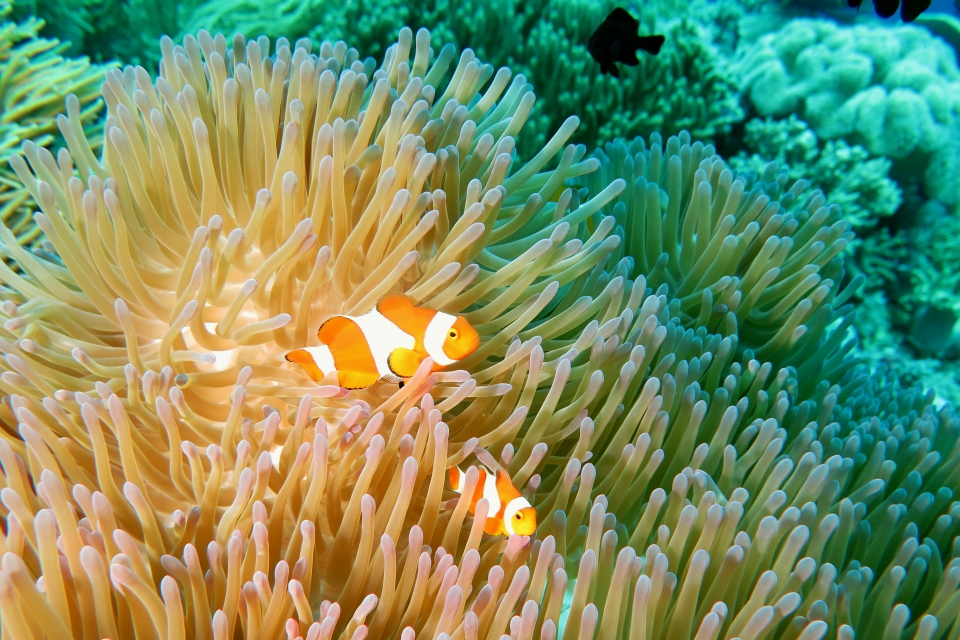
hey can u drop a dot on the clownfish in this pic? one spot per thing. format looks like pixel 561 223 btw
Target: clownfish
pixel 510 513
pixel 388 343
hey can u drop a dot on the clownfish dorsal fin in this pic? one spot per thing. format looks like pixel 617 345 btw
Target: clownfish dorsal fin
pixel 329 330
pixel 505 486
pixel 394 302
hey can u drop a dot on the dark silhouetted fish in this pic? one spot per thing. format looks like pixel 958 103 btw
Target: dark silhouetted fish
pixel 910 10
pixel 617 40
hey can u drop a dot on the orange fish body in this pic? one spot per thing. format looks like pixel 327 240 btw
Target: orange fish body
pixel 509 512
pixel 388 343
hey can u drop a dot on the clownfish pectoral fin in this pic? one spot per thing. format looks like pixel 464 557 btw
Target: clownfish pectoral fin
pixel 493 526
pixel 356 379
pixel 394 302
pixel 305 360
pixel 504 484
pixel 404 362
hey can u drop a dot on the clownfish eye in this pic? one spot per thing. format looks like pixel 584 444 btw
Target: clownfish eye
pixel 518 517
pixel 454 334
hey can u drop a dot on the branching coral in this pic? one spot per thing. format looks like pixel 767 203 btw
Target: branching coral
pixel 848 175
pixel 37 79
pixel 892 90
pixel 924 281
pixel 166 474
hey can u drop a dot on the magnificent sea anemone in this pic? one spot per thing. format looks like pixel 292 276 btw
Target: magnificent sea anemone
pixel 662 371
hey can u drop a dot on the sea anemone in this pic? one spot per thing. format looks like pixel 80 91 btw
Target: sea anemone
pixel 755 257
pixel 166 474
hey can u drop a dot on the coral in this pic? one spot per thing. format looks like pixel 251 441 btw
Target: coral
pixel 37 80
pixel 63 21
pixel 109 30
pixel 166 473
pixel 687 86
pixel 896 91
pixel 848 175
pixel 933 271
pixel 927 284
pixel 907 317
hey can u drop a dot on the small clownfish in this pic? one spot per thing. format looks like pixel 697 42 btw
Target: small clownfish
pixel 510 513
pixel 388 343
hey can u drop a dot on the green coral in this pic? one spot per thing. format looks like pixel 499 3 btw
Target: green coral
pixel 848 175
pixel 908 315
pixel 37 79
pixel 884 345
pixel 687 86
pixel 896 91
pixel 109 30
pixel 929 283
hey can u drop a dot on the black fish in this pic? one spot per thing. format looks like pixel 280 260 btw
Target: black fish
pixel 617 40
pixel 910 10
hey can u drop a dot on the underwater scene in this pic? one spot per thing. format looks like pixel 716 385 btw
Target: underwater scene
pixel 479 320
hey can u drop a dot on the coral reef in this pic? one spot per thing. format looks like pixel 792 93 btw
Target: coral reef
pixel 109 30
pixel 910 315
pixel 703 456
pixel 942 25
pixel 896 91
pixel 687 86
pixel 892 90
pixel 847 174
pixel 36 81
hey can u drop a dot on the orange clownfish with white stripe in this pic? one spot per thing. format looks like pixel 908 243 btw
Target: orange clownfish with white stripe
pixel 510 513
pixel 388 343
